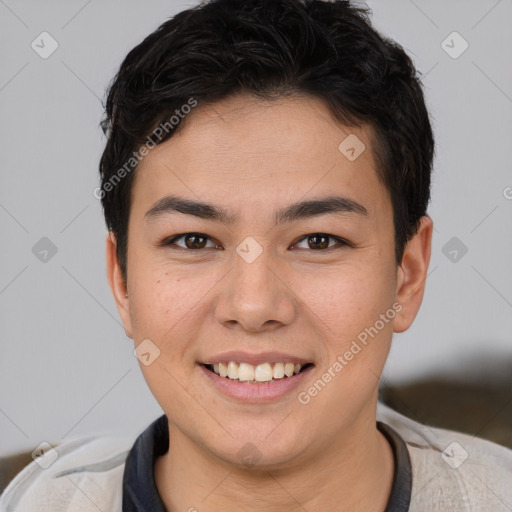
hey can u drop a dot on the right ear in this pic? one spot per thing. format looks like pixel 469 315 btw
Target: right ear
pixel 116 282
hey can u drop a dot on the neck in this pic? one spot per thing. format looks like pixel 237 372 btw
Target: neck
pixel 353 472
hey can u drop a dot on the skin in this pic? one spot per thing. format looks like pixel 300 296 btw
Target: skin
pixel 252 157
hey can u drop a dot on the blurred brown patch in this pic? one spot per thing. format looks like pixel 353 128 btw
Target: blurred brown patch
pixel 482 409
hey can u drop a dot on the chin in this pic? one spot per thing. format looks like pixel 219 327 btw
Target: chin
pixel 257 451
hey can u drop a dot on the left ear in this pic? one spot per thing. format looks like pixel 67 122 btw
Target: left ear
pixel 412 274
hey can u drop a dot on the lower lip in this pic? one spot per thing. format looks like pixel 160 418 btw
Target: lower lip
pixel 262 392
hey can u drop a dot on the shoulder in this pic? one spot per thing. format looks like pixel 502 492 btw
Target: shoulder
pixel 451 470
pixel 80 474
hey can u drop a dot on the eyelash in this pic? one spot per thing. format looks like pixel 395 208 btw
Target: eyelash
pixel 342 243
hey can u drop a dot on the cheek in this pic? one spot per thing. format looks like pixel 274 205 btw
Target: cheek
pixel 345 300
pixel 163 309
pixel 159 299
pixel 346 310
pixel 347 317
pixel 169 307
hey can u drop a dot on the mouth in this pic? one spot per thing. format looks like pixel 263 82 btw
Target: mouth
pixel 262 377
pixel 264 373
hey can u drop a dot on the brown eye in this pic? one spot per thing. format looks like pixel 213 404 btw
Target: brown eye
pixel 193 241
pixel 320 241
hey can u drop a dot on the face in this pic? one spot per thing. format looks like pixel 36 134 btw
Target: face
pixel 248 278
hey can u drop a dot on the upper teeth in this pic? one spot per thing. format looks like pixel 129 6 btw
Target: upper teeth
pixel 260 373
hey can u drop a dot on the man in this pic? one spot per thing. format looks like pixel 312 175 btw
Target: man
pixel 265 185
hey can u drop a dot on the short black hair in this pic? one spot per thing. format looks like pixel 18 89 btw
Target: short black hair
pixel 270 49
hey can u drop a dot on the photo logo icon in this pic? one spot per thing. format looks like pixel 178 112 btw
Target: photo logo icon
pixel 454 455
pixel 45 455
pixel 352 147
pixel 249 454
pixel 454 45
pixel 44 250
pixel 454 249
pixel 146 352
pixel 44 45
pixel 249 250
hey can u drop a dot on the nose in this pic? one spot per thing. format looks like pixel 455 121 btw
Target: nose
pixel 256 296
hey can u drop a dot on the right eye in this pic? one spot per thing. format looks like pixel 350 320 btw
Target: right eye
pixel 192 241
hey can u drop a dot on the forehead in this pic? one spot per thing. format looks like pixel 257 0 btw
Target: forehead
pixel 248 152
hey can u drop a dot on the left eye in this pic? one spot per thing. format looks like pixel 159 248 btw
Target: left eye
pixel 321 241
pixel 197 241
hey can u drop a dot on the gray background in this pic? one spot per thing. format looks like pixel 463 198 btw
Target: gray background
pixel 66 365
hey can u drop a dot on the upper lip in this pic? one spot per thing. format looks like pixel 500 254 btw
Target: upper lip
pixel 255 359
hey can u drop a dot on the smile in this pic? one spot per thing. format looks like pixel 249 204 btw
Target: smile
pixel 265 382
pixel 256 374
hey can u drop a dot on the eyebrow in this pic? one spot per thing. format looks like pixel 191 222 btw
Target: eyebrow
pixel 301 210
